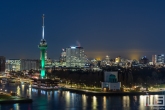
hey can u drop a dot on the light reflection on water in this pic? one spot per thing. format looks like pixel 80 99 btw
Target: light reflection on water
pixel 67 98
pixel 126 101
pixel 84 100
pixel 94 102
pixel 16 106
pixel 61 100
pixel 104 102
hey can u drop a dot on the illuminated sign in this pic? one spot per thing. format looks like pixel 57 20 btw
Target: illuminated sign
pixel 73 47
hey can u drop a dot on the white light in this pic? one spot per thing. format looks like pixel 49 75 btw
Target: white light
pixel 73 47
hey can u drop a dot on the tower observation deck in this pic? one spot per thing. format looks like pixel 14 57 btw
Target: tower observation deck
pixel 42 46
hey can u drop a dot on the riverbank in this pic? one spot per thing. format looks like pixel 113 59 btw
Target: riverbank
pixel 6 98
pixel 44 88
pixel 117 93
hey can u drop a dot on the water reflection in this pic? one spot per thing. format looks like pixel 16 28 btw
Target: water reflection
pixel 49 95
pixel 84 100
pixel 16 106
pixel 126 101
pixel 104 102
pixel 94 102
pixel 56 100
pixel 67 98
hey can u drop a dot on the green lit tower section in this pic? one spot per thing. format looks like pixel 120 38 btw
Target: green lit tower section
pixel 42 46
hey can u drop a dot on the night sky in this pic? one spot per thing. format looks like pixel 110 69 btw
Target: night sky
pixel 130 29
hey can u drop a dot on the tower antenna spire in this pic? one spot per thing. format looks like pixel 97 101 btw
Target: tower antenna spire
pixel 43 16
pixel 43 46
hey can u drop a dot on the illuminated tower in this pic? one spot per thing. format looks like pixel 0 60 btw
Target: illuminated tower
pixel 43 47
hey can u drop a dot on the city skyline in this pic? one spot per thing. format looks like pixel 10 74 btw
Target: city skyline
pixel 126 29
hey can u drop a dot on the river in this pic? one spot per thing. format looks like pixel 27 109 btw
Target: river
pixel 66 100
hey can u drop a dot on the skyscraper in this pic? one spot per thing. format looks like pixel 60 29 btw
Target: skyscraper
pixel 63 56
pixel 158 59
pixel 43 47
pixel 75 57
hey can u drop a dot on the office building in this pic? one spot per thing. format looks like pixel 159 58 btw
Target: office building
pixel 13 65
pixel 28 64
pixel 158 59
pixel 63 56
pixel 22 64
pixel 75 57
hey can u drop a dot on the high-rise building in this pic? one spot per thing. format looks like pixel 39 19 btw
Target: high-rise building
pixel 43 47
pixel 107 60
pixel 63 56
pixel 158 59
pixel 21 64
pixel 13 65
pixel 28 64
pixel 75 57
pixel 2 63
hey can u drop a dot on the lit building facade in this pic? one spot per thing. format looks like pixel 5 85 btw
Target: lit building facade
pixel 13 65
pixel 106 61
pixel 75 57
pixel 22 64
pixel 158 59
pixel 118 59
pixel 111 81
pixel 63 58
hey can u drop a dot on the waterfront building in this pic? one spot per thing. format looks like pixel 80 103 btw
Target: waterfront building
pixel 2 63
pixel 28 64
pixel 43 46
pixel 75 57
pixel 111 81
pixel 13 65
pixel 21 64
pixel 158 59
